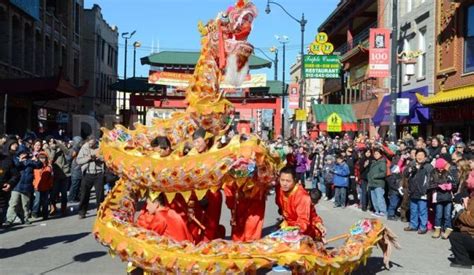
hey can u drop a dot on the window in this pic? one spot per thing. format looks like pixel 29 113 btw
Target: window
pixel 421 62
pixel 103 49
pixel 99 39
pixel 469 41
pixel 408 6
pixel 406 48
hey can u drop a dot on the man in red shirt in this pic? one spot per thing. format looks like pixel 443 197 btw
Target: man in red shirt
pixel 164 221
pixel 296 207
pixel 247 211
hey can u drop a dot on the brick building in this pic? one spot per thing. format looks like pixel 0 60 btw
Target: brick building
pixel 348 29
pixel 40 61
pixel 451 105
pixel 100 56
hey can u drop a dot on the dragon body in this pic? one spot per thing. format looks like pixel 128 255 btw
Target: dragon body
pixel 246 163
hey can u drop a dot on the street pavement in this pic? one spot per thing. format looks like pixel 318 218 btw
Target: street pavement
pixel 66 246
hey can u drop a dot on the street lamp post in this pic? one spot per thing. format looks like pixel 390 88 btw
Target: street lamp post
pixel 275 50
pixel 283 39
pixel 136 45
pixel 126 36
pixel 393 84
pixel 302 23
pixel 274 61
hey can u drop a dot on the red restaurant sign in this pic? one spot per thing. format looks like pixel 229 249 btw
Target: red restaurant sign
pixel 379 53
pixel 294 95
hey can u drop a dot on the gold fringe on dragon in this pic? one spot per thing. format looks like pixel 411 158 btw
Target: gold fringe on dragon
pixel 189 175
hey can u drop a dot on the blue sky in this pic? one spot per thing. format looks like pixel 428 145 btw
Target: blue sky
pixel 173 24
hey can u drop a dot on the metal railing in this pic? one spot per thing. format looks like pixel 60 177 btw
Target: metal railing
pixel 356 40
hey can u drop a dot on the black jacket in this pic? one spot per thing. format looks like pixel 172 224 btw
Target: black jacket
pixel 364 170
pixel 394 182
pixel 8 173
pixel 418 180
pixel 439 178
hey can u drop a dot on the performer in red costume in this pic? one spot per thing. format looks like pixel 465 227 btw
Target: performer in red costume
pixel 164 221
pixel 296 207
pixel 247 211
pixel 203 216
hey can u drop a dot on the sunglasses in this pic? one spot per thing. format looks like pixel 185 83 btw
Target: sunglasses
pixel 460 147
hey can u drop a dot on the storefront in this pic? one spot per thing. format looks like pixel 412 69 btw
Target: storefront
pixel 334 119
pixel 418 120
pixel 452 111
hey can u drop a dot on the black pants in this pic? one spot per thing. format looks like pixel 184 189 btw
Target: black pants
pixel 364 201
pixel 89 180
pixel 462 245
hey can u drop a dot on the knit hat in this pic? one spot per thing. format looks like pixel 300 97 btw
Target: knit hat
pixel 440 163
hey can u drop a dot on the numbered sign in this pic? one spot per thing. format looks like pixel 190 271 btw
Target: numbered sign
pixel 322 38
pixel 315 48
pixel 328 48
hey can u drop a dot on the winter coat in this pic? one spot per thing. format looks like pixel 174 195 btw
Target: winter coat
pixel 394 182
pixel 341 175
pixel 89 165
pixel 465 221
pixel 301 161
pixel 43 180
pixel 437 180
pixel 418 180
pixel 327 174
pixel 377 174
pixel 26 167
pixel 433 152
pixel 59 159
pixel 364 170
pixel 76 172
pixel 8 173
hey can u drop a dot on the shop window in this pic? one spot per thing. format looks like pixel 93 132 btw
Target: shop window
pixel 469 41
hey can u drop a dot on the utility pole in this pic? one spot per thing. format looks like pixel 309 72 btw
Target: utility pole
pixel 283 40
pixel 393 82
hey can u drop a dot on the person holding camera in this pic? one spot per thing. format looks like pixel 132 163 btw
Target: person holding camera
pixel 93 168
pixel 21 194
pixel 60 161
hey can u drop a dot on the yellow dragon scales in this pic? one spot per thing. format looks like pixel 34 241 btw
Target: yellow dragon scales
pixel 144 174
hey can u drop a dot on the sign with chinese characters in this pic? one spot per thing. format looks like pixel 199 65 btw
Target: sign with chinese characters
pixel 334 123
pixel 293 95
pixel 181 80
pixel 379 53
pixel 321 66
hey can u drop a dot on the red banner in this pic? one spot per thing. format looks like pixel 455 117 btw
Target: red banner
pixel 293 95
pixel 379 53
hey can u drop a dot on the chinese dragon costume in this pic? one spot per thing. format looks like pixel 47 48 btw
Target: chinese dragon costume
pixel 246 163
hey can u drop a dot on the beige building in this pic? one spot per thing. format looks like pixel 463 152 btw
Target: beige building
pixel 100 54
pixel 40 61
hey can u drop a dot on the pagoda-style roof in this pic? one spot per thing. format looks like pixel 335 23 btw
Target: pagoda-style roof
pixel 135 84
pixel 189 59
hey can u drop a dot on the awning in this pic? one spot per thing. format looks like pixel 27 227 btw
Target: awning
pixel 322 112
pixel 418 113
pixel 457 94
pixel 41 88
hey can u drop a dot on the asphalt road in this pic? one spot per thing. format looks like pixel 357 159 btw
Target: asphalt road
pixel 66 246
